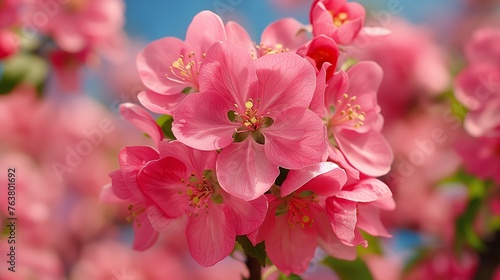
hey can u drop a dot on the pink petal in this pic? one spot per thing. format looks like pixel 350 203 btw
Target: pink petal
pixel 201 121
pixel 342 215
pixel 369 221
pixel 248 215
pixel 349 30
pixel 329 242
pixel 386 202
pixel 318 100
pixel 160 181
pixel 296 139
pixel 285 81
pixel 336 86
pixel 160 103
pixel 205 29
pixel 287 32
pixel 291 250
pixel 368 152
pixel 196 161
pixel 68 39
pixel 107 194
pixel 119 187
pixel 336 156
pixel 322 21
pixel 157 219
pixel 141 119
pixel 132 160
pixel 366 190
pixel 144 235
pixel 229 71
pixel 333 179
pixel 211 237
pixel 154 62
pixel 237 35
pixel 482 122
pixel 244 171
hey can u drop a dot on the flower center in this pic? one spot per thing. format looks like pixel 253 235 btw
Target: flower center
pixel 135 210
pixel 186 70
pixel 339 18
pixel 264 49
pixel 201 192
pixel 347 112
pixel 299 209
pixel 251 121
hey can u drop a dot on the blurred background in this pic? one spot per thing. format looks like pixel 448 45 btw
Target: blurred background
pixel 61 130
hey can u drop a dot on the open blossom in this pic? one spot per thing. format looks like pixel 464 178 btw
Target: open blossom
pixel 256 112
pixel 297 222
pixel 183 185
pixel 315 208
pixel 282 36
pixel 353 118
pixel 338 19
pixel 169 67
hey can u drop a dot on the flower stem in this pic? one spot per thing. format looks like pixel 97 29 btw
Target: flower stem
pixel 254 268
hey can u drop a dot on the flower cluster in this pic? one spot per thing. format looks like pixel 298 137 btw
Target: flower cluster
pixel 278 141
pixel 477 87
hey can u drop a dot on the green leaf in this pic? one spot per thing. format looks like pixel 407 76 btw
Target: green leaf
pixel 258 251
pixel 165 122
pixel 290 277
pixel 349 270
pixel 23 69
pixel 465 227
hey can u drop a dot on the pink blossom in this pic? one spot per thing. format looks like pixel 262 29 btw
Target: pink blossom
pixel 353 118
pixel 484 46
pixel 182 185
pixel 481 156
pixel 338 19
pixel 297 222
pixel 256 112
pixel 76 24
pixel 67 67
pixel 125 188
pixel 169 67
pixel 9 43
pixel 321 50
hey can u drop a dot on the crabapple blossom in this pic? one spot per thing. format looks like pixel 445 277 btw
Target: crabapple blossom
pixel 252 110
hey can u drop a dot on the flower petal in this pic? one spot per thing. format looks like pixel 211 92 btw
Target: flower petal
pixel 119 187
pixel 285 81
pixel 342 215
pixel 211 237
pixel 201 121
pixel 369 221
pixel 144 234
pixel 205 29
pixel 248 215
pixel 132 160
pixel 244 171
pixel 287 32
pixel 160 181
pixel 141 119
pixel 159 103
pixel 290 249
pixel 368 152
pixel 330 179
pixel 366 190
pixel 229 71
pixel 196 161
pixel 296 139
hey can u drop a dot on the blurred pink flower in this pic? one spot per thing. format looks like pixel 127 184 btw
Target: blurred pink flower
pixel 67 67
pixel 79 24
pixel 353 118
pixel 481 156
pixel 9 43
pixel 182 185
pixel 252 110
pixel 415 68
pixel 443 264
pixel 9 12
pixel 169 67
